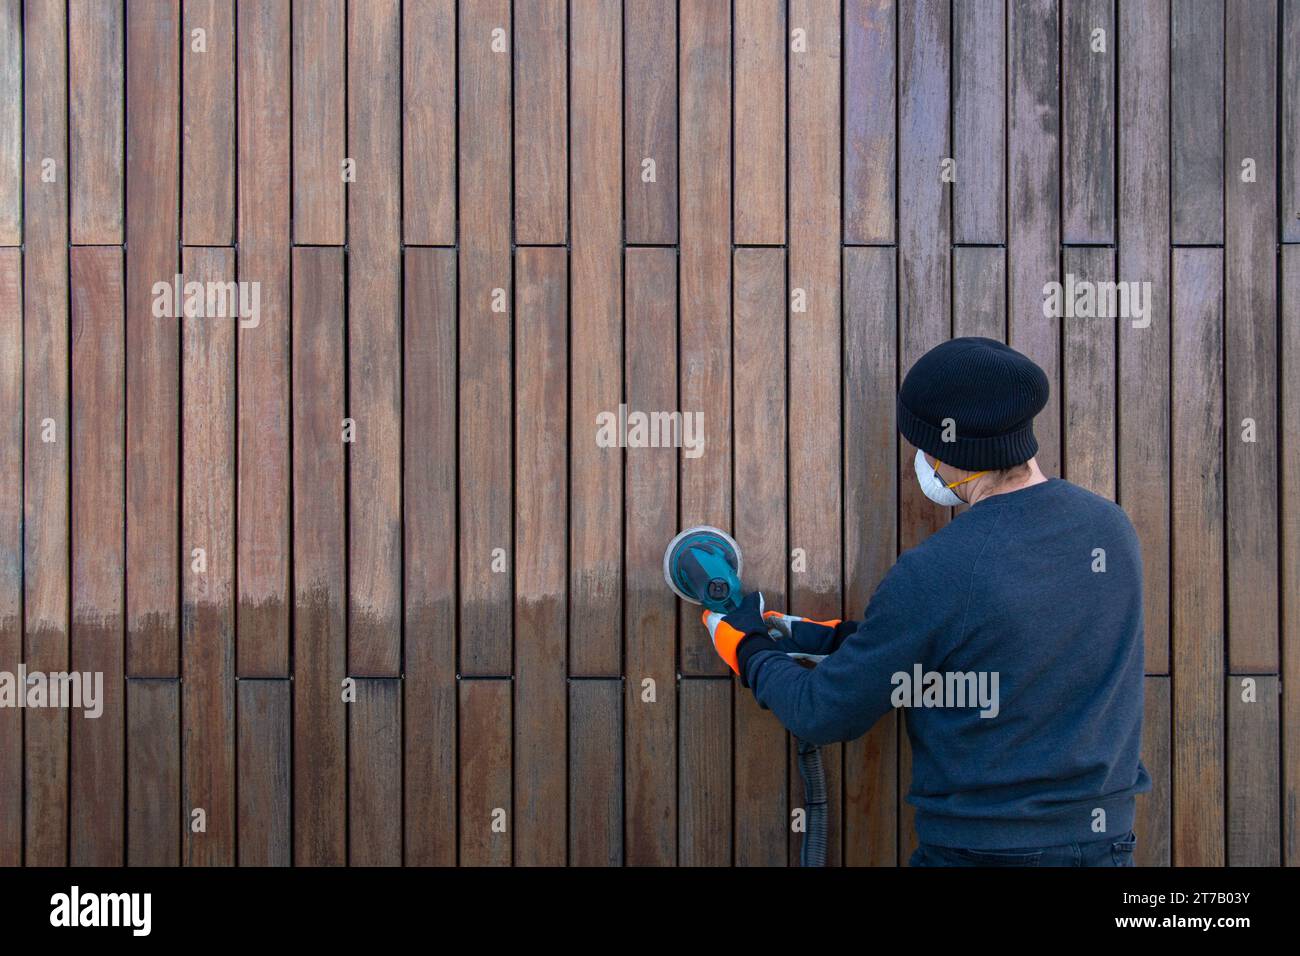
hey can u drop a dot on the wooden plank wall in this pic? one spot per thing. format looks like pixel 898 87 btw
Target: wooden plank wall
pixel 366 585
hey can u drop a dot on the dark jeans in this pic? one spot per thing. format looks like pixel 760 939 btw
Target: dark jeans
pixel 1105 852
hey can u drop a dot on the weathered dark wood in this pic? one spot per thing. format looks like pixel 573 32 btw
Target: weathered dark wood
pixel 1088 121
pixel 208 569
pixel 98 641
pixel 541 122
pixel 153 783
pixel 1088 377
pixel 485 773
pixel 208 118
pixel 319 55
pixel 375 773
pixel 979 121
pixel 596 324
pixel 1254 815
pixel 11 549
pixel 1290 542
pixel 11 123
pixel 1152 824
pixel 1196 483
pixel 96 155
pixel 486 319
pixel 979 291
pixel 1250 305
pixel 429 475
pixel 704 793
pixel 1196 108
pixel 265 731
pixel 870 531
pixel 375 339
pixel 758 119
pixel 759 310
pixel 650 609
pixel 870 153
pixel 45 421
pixel 595 773
pixel 541 497
pixel 650 120
pixel 319 571
pixel 1290 120
pixel 153 350
pixel 429 121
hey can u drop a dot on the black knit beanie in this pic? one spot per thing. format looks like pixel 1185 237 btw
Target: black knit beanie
pixel 990 392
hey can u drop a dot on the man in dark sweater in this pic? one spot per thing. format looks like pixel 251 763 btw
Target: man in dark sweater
pixel 1013 636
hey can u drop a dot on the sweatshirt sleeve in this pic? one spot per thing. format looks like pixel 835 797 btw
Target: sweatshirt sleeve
pixel 912 616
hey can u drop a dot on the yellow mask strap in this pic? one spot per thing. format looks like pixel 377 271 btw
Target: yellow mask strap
pixel 963 481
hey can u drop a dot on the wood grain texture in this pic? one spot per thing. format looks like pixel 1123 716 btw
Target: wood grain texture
pixel 1196 110
pixel 758 117
pixel 979 121
pixel 1254 816
pixel 1153 824
pixel 1250 299
pixel 1088 121
pixel 96 30
pixel 1088 378
pixel 704 788
pixel 870 89
pixel 375 773
pixel 486 321
pixel 650 609
pixel 11 123
pixel 319 569
pixel 319 119
pixel 979 291
pixel 429 559
pixel 595 773
pixel 429 129
pixel 541 486
pixel 541 170
pixel 208 119
pixel 650 94
pixel 1290 542
pixel 596 336
pixel 1290 121
pixel 153 355
pixel 265 766
pixel 1197 573
pixel 484 773
pixel 11 549
pixel 153 786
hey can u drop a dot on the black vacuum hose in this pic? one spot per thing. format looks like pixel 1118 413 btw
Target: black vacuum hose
pixel 813 851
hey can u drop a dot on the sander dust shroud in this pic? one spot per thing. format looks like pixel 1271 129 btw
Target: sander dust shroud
pixel 702 565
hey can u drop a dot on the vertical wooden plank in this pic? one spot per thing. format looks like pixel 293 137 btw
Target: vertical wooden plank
pixel 208 121
pixel 1153 824
pixel 759 122
pixel 207 576
pixel 430 566
pixel 153 786
pixel 429 121
pixel 1197 575
pixel 1250 276
pixel 870 530
pixel 541 122
pixel 541 520
pixel 595 773
pixel 319 135
pixel 152 356
pixel 650 118
pixel 1290 121
pixel 264 785
pixel 1143 400
pixel 595 527
pixel 375 340
pixel 979 121
pixel 1033 223
pixel 979 291
pixel 1088 378
pixel 1290 491
pixel 650 656
pixel 870 28
pixel 45 422
pixel 98 643
pixel 95 33
pixel 375 774
pixel 762 820
pixel 704 369
pixel 319 548
pixel 11 549
pixel 485 773
pixel 924 277
pixel 485 342
pixel 263 608
pixel 1196 107
pixel 1088 123
pixel 704 793
pixel 11 123
pixel 1254 816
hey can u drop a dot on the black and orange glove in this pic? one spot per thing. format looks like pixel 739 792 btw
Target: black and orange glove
pixel 801 635
pixel 745 625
